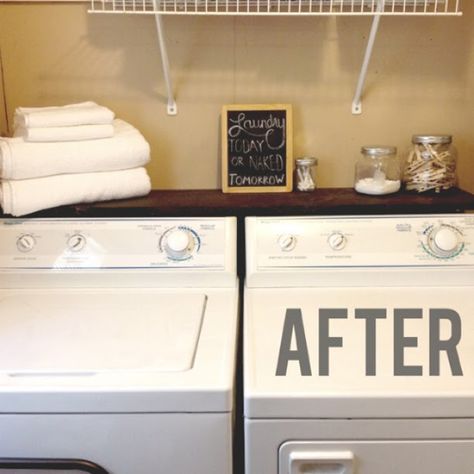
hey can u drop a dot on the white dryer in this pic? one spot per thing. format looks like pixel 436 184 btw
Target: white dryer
pixel 117 345
pixel 359 345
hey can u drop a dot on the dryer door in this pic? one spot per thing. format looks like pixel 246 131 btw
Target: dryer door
pixel 376 457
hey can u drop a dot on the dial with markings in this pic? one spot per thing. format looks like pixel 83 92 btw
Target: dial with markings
pixel 444 241
pixel 26 243
pixel 337 240
pixel 180 243
pixel 287 242
pixel 76 242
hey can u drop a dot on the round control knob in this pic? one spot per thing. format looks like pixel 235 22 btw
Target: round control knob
pixel 25 243
pixel 179 244
pixel 444 241
pixel 76 242
pixel 337 241
pixel 287 242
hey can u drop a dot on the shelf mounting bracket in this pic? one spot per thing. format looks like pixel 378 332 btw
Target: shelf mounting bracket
pixel 172 108
pixel 357 101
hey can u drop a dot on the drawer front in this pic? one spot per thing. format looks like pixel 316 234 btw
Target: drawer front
pixel 377 457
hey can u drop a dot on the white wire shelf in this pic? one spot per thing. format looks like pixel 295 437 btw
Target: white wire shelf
pixel 374 8
pixel 279 7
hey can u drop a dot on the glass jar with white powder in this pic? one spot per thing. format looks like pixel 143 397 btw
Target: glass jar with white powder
pixel 377 170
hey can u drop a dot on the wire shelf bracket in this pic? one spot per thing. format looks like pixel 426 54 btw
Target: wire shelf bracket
pixel 357 101
pixel 374 8
pixel 171 108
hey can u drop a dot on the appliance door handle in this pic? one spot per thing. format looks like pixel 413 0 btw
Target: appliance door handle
pixel 52 465
pixel 321 462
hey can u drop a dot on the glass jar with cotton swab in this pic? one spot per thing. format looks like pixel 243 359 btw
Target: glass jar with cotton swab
pixel 305 180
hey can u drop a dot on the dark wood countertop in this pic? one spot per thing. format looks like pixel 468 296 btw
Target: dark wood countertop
pixel 326 201
pixel 322 201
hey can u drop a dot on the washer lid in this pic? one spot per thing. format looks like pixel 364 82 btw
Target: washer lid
pixel 86 333
pixel 347 392
pixel 126 350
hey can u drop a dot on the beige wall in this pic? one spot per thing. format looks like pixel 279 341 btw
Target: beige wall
pixel 421 80
pixel 3 115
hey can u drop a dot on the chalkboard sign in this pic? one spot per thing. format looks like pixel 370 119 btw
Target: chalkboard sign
pixel 257 153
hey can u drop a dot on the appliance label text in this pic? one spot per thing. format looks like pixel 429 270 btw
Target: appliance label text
pixel 293 345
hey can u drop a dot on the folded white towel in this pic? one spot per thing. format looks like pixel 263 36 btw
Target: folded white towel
pixel 24 160
pixel 84 113
pixel 30 195
pixel 65 134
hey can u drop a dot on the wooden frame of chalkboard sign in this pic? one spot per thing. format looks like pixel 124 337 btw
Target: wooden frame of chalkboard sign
pixel 257 148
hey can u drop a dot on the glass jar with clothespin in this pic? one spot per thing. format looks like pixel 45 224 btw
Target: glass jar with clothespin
pixel 431 164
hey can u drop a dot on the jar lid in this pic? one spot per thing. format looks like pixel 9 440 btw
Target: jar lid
pixel 435 139
pixel 307 161
pixel 378 150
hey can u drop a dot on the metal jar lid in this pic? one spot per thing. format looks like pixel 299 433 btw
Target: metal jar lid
pixel 434 139
pixel 378 150
pixel 306 161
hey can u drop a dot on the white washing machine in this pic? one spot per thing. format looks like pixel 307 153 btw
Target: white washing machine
pixel 359 345
pixel 117 345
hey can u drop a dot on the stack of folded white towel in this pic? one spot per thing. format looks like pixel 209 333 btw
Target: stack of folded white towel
pixel 70 154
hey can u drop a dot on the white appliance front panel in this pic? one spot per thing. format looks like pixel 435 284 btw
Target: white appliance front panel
pixel 75 334
pixel 375 457
pixel 107 243
pixel 151 443
pixel 376 241
pixel 450 444
pixel 350 390
pixel 149 252
pixel 380 250
pixel 190 367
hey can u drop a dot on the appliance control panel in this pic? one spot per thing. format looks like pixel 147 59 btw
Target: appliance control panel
pixel 115 243
pixel 384 241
